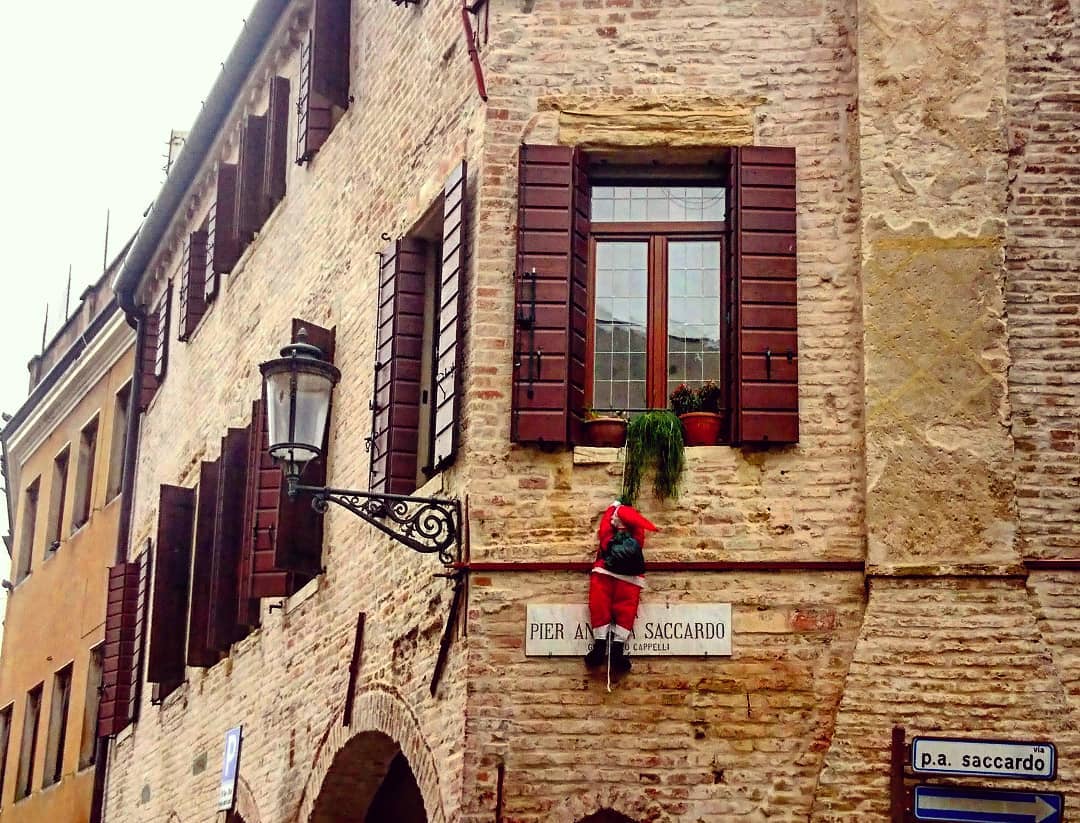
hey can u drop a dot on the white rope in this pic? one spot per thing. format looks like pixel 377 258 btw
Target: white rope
pixel 608 641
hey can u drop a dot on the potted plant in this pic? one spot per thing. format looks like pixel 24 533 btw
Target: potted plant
pixel 653 439
pixel 604 429
pixel 699 411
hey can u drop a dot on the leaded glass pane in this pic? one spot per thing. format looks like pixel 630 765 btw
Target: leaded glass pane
pixel 620 330
pixel 659 204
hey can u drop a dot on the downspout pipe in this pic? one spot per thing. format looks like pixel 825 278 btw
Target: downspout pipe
pixel 123 536
pixel 470 40
pixel 256 33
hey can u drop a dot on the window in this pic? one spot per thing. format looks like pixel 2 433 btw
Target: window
pixel 324 77
pixel 28 748
pixel 84 475
pixel 417 369
pixel 58 717
pixel 192 284
pixel 154 348
pixel 28 531
pixel 121 409
pixel 657 279
pixel 88 743
pixel 633 277
pixel 5 739
pixel 57 501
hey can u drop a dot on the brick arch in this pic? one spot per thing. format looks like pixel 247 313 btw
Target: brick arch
pixel 246 806
pixel 379 715
pixel 609 804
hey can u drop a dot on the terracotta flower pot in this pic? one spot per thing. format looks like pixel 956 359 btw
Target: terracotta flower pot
pixel 701 428
pixel 605 431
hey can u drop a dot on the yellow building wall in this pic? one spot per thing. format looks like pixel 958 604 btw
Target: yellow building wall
pixel 56 615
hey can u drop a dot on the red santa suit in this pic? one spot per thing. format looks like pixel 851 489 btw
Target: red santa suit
pixel 613 597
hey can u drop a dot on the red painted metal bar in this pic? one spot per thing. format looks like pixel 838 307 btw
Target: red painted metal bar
pixel 1051 564
pixel 474 55
pixel 896 777
pixel 672 566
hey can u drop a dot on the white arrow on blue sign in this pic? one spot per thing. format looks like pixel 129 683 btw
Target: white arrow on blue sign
pixel 961 805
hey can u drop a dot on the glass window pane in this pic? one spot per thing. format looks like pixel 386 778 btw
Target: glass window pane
pixel 619 330
pixel 693 312
pixel 659 203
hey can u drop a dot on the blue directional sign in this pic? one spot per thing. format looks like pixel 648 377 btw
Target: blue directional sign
pixel 230 769
pixel 962 805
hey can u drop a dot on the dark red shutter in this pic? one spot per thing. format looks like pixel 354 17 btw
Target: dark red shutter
pixel 277 144
pixel 192 284
pixel 121 618
pixel 250 204
pixel 260 575
pixel 228 527
pixel 161 353
pixel 222 247
pixel 398 352
pixel 176 520
pixel 148 344
pixel 199 653
pixel 551 301
pixel 449 320
pixel 324 76
pixel 765 401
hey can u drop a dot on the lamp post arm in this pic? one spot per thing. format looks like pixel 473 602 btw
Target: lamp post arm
pixel 429 525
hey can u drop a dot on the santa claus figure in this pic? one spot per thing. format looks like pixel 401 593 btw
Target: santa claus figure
pixel 615 584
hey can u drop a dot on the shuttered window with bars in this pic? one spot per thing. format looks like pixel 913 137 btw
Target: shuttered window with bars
pixel 192 284
pixel 416 405
pixel 222 244
pixel 154 348
pixel 250 203
pixel 323 95
pixel 165 655
pixel 628 284
pixel 124 621
pixel 199 652
pixel 277 144
pixel 222 626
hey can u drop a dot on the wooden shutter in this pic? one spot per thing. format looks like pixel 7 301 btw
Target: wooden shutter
pixel 119 656
pixel 222 247
pixel 199 653
pixel 228 526
pixel 165 657
pixel 765 401
pixel 192 284
pixel 446 400
pixel 398 352
pixel 551 301
pixel 250 204
pixel 147 358
pixel 277 144
pixel 324 76
pixel 161 352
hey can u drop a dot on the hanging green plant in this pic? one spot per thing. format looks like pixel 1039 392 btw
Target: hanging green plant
pixel 653 439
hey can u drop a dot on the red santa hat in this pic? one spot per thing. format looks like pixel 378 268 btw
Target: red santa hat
pixel 627 517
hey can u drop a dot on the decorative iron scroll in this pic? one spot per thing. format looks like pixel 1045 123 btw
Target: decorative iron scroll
pixel 429 525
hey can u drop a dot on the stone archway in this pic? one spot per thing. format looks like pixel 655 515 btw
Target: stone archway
pixel 247 810
pixel 369 781
pixel 607 816
pixel 383 745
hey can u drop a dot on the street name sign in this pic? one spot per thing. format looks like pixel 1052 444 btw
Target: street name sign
pixel 983 758
pixel 661 630
pixel 230 769
pixel 963 805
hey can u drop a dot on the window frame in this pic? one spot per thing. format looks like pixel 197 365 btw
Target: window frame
pixel 24 779
pixel 658 235
pixel 58 501
pixel 85 463
pixel 24 565
pixel 57 732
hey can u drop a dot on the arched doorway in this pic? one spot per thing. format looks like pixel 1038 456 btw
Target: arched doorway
pixel 606 816
pixel 369 781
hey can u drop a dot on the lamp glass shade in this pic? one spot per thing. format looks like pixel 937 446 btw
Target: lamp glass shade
pixel 298 393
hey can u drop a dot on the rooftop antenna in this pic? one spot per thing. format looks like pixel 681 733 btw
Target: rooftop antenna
pixel 105 257
pixel 67 296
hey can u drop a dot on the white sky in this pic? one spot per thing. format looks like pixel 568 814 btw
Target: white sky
pixel 92 91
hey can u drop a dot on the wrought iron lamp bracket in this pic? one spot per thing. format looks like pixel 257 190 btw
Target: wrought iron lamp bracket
pixel 428 525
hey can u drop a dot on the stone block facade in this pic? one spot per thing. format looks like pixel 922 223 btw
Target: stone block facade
pixel 937 401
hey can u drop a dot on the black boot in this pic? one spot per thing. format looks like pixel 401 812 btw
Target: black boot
pixel 595 657
pixel 620 663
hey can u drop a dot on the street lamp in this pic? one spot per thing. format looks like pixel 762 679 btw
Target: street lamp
pixel 298 386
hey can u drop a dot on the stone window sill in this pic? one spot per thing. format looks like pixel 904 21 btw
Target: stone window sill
pixel 603 455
